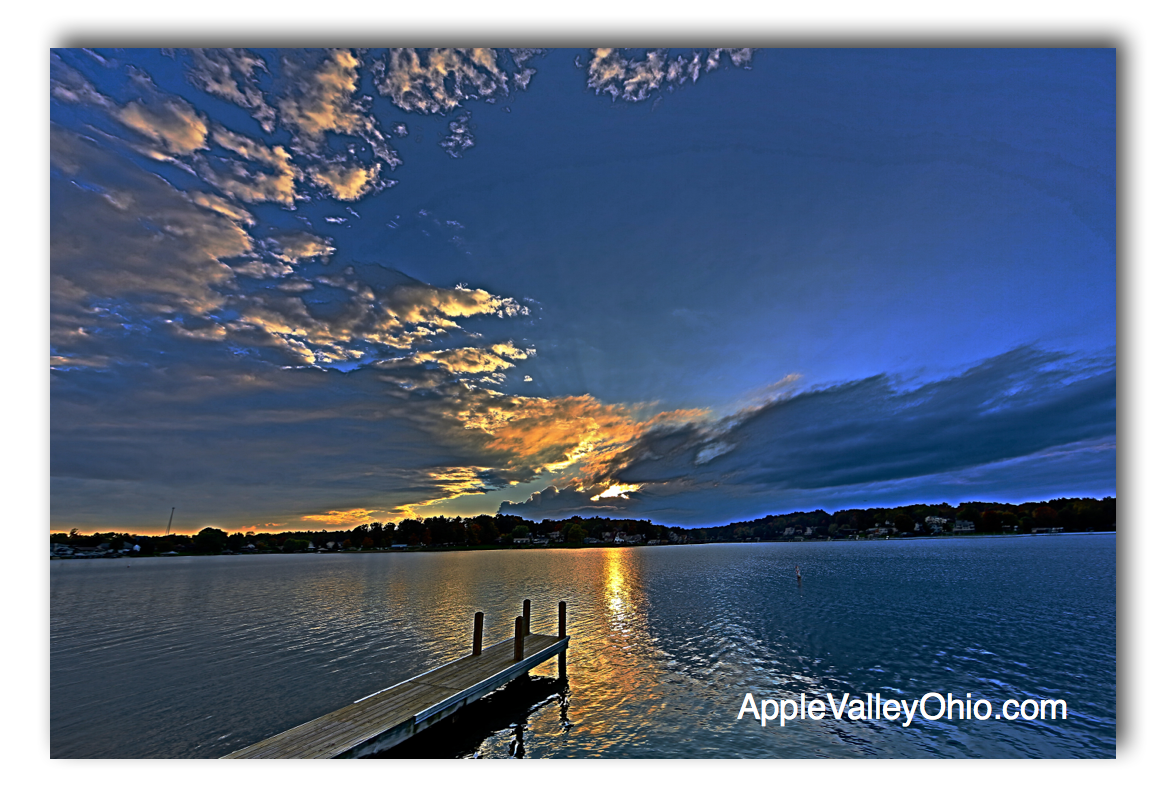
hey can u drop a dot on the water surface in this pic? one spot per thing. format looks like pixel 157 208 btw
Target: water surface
pixel 199 656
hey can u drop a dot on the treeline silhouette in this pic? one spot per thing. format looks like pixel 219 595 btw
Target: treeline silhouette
pixel 486 531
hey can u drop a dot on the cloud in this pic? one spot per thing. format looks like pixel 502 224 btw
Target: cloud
pixel 347 181
pixel 470 360
pixel 297 246
pixel 437 80
pixel 636 79
pixel 423 303
pixel 368 311
pixel 554 503
pixel 265 174
pixel 346 519
pixel 218 204
pixel 169 122
pixel 129 252
pixel 233 439
pixel 319 100
pixel 534 435
pixel 830 442
pixel 70 86
pixel 459 138
pixel 230 73
pixel 125 245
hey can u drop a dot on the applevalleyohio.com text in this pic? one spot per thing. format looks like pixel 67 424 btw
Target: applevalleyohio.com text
pixel 872 706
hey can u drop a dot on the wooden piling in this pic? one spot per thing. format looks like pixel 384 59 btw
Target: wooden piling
pixel 519 640
pixel 478 634
pixel 525 615
pixel 561 635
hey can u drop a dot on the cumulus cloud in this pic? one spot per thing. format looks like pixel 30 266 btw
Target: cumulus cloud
pixel 370 311
pixel 439 306
pixel 231 73
pixel 554 503
pixel 634 78
pixel 437 80
pixel 262 173
pixel 347 181
pixel 297 246
pixel 535 434
pixel 460 361
pixel 320 99
pixel 126 246
pixel 468 360
pixel 171 123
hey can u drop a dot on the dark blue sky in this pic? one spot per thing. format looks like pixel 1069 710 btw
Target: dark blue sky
pixel 315 288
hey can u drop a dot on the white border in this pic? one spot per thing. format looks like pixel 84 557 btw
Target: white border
pixel 1136 28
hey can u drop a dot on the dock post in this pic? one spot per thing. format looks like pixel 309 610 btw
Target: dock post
pixel 562 635
pixel 525 608
pixel 519 640
pixel 478 634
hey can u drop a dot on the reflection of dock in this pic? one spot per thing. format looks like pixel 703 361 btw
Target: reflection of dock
pixel 394 715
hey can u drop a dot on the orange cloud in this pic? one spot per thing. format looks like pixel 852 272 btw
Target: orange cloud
pixel 347 182
pixel 172 123
pixel 275 180
pixel 557 433
pixel 323 100
pixel 441 78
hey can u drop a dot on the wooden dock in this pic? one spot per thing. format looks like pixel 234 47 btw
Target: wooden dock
pixel 395 714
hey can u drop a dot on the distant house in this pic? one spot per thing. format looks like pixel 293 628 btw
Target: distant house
pixel 540 541
pixel 591 540
pixel 522 541
pixel 962 525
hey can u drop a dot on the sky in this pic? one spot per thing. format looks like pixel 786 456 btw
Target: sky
pixel 307 289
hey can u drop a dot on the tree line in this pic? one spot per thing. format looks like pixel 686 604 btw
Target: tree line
pixel 986 517
pixel 1068 514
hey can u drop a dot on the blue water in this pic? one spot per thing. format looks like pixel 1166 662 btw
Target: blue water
pixel 199 656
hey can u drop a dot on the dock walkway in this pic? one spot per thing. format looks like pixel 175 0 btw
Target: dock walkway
pixel 395 714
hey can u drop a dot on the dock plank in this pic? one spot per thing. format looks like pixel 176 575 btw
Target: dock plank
pixel 400 706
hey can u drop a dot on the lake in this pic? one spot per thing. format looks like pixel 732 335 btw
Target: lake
pixel 170 657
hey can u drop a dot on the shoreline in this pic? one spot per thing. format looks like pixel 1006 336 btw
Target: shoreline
pixel 495 547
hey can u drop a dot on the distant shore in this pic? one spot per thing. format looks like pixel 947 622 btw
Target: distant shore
pixel 118 554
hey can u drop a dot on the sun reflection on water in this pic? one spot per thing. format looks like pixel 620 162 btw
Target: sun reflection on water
pixel 618 594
